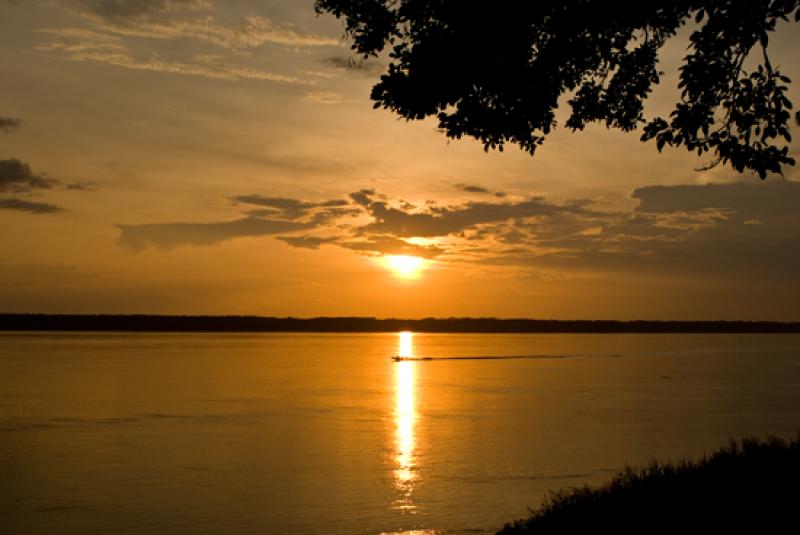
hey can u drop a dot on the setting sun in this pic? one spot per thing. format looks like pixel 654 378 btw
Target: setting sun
pixel 404 266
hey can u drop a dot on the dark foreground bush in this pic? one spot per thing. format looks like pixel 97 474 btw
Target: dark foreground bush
pixel 753 487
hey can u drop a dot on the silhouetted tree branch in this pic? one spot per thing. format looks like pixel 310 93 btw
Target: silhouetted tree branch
pixel 495 71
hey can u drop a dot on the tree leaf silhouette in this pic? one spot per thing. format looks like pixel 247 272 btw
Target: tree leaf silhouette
pixel 497 72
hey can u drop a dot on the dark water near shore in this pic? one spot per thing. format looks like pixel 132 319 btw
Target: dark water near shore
pixel 323 433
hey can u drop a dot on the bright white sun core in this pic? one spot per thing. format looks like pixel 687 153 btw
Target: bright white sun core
pixel 404 266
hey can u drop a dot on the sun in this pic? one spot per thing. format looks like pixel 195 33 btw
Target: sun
pixel 404 266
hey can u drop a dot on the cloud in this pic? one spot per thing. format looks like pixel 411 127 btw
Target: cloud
pixel 115 21
pixel 473 188
pixel 442 221
pixel 363 197
pixel 375 245
pixel 469 188
pixel 704 232
pixel 160 19
pixel 390 245
pixel 306 242
pixel 17 176
pixel 734 231
pixel 81 186
pixel 9 124
pixel 731 232
pixel 253 33
pixel 172 235
pixel 76 44
pixel 78 41
pixel 372 223
pixel 323 97
pixel 280 215
pixel 776 198
pixel 202 66
pixel 12 203
pixel 286 207
pixel 124 9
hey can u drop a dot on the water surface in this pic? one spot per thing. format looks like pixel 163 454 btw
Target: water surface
pixel 323 433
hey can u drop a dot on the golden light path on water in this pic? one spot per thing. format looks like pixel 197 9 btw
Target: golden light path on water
pixel 405 416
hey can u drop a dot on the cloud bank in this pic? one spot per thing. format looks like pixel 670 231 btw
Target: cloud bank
pixel 737 230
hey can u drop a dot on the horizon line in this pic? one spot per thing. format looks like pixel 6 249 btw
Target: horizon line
pixel 366 324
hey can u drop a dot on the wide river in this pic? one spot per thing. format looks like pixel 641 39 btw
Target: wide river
pixel 324 433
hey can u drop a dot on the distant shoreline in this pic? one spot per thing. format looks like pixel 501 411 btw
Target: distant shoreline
pixel 255 324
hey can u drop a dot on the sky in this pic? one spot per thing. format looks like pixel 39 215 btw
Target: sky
pixel 209 157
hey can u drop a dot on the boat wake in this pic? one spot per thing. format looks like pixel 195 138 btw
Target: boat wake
pixel 398 358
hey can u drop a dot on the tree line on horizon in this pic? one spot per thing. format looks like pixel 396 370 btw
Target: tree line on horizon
pixel 167 323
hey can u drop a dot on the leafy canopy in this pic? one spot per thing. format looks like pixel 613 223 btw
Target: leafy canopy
pixel 496 70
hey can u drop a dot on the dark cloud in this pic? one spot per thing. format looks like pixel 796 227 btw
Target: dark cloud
pixel 743 231
pixel 471 188
pixel 171 235
pixel 17 176
pixel 276 215
pixel 331 215
pixel 363 197
pixel 442 221
pixel 474 188
pixel 286 207
pixel 390 245
pixel 747 200
pixel 32 207
pixel 513 237
pixel 306 242
pixel 9 124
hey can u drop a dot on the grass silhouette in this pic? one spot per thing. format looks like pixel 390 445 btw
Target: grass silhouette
pixel 752 486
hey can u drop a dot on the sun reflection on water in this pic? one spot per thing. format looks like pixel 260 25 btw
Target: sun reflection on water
pixel 405 416
pixel 405 345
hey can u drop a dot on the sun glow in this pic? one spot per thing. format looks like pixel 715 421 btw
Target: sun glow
pixel 404 266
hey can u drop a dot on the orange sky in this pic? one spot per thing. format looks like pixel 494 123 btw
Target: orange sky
pixel 191 156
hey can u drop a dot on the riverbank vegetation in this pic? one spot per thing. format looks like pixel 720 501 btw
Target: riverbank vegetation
pixel 752 485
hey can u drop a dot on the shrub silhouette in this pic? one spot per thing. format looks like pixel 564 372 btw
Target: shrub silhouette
pixel 753 486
